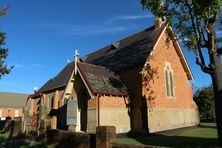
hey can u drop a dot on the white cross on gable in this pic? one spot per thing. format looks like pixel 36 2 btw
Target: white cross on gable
pixel 76 55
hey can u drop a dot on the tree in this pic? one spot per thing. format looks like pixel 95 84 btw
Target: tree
pixel 4 69
pixel 195 23
pixel 204 98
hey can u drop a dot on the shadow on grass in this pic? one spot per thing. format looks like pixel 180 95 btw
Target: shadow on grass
pixel 176 141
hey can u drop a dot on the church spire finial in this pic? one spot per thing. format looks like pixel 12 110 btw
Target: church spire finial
pixel 35 88
pixel 76 60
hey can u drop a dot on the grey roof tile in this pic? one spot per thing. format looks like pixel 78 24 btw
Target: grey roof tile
pixel 131 51
pixel 60 80
pixel 102 80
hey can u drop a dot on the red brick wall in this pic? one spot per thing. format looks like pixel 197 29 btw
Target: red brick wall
pixel 108 102
pixel 113 102
pixel 10 111
pixel 132 79
pixel 92 103
pixel 165 52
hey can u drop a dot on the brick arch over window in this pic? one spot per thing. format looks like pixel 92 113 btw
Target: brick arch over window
pixel 168 72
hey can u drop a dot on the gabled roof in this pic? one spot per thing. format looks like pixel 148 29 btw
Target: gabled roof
pixel 12 99
pixel 128 52
pixel 61 80
pixel 134 51
pixel 131 51
pixel 101 80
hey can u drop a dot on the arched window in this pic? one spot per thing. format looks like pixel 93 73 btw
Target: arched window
pixel 50 102
pixel 168 72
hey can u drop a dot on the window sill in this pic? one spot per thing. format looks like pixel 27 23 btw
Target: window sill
pixel 171 97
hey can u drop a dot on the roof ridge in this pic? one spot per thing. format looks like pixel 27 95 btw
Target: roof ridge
pixel 124 38
pixel 95 65
pixel 15 93
pixel 134 46
pixel 146 29
pixel 59 80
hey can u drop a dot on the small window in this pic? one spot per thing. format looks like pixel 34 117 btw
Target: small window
pixel 167 83
pixel 171 84
pixel 169 80
pixel 52 102
pixel 16 113
pixel 49 102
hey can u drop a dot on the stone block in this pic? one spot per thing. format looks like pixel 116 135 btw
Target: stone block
pixel 105 136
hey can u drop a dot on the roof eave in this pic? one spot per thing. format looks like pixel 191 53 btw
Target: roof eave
pixel 181 56
pixel 90 88
pixel 178 50
pixel 85 81
pixel 113 94
pixel 53 89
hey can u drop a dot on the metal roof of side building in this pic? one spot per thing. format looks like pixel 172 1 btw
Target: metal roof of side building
pixel 8 99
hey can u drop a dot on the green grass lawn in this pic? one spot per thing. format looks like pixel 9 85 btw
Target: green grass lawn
pixel 188 137
pixel 200 133
pixel 203 136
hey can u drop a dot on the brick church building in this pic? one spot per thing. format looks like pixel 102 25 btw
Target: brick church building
pixel 139 83
pixel 11 105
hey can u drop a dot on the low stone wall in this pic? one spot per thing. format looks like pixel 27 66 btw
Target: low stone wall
pixel 17 127
pixel 106 138
pixel 14 127
pixel 65 139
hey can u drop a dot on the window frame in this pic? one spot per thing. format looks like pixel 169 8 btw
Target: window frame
pixel 169 81
pixel 16 113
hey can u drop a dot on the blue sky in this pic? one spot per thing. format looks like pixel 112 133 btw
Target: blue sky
pixel 43 34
